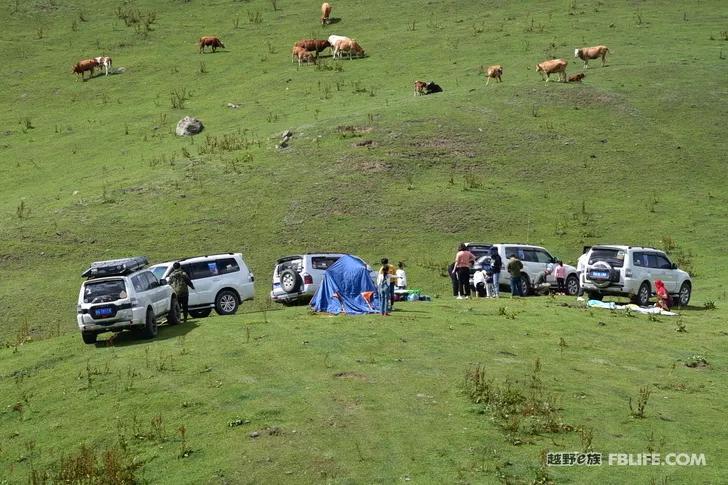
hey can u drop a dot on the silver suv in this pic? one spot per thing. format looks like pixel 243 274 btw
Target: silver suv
pixel 222 282
pixel 632 271
pixel 120 294
pixel 535 260
pixel 297 277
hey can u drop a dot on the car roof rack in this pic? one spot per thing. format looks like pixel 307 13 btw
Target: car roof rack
pixel 115 267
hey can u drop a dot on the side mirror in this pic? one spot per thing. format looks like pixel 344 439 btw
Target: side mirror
pixel 163 282
pixel 674 266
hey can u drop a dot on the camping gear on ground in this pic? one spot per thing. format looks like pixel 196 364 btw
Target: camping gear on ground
pixel 610 305
pixel 347 287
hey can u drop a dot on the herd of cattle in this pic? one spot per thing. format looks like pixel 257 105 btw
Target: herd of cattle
pixel 308 50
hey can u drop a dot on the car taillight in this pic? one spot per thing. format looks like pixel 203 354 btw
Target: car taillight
pixel 628 273
pixel 307 279
pixel 78 309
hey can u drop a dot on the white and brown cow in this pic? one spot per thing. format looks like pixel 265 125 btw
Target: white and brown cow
pixel 348 46
pixel 302 55
pixel 492 72
pixel 105 62
pixel 554 66
pixel 586 53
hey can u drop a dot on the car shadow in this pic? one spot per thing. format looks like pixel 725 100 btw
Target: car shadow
pixel 127 338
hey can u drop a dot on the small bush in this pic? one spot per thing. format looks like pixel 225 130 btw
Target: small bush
pixel 178 98
pixel 642 399
pixel 709 305
pixel 111 466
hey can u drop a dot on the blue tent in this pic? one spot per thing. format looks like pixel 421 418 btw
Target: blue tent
pixel 347 287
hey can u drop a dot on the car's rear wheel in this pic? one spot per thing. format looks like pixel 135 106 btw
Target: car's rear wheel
pixel 642 298
pixel 525 286
pixel 174 312
pixel 290 281
pixel 89 337
pixel 683 298
pixel 226 302
pixel 202 313
pixel 150 325
pixel 572 285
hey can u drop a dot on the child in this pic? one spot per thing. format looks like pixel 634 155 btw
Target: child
pixel 560 274
pixel 384 287
pixel 401 278
pixel 489 288
pixel 479 282
pixel 663 298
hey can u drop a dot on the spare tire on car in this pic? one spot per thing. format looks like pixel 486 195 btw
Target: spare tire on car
pixel 600 274
pixel 290 281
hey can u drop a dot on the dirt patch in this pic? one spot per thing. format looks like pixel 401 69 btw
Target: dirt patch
pixel 351 375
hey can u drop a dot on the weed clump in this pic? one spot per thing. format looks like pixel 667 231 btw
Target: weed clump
pixel 111 465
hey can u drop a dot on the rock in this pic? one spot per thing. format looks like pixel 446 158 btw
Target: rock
pixel 254 434
pixel 189 126
pixel 233 105
pixel 286 134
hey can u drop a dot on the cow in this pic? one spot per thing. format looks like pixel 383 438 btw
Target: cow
pixel 83 66
pixel 325 13
pixel 586 53
pixel 333 39
pixel 302 55
pixel 576 78
pixel 348 46
pixel 420 88
pixel 104 61
pixel 314 45
pixel 551 67
pixel 210 41
pixel 492 72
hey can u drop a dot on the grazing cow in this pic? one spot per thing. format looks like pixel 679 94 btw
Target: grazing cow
pixel 347 45
pixel 314 45
pixel 576 78
pixel 104 61
pixel 492 72
pixel 210 41
pixel 552 67
pixel 302 55
pixel 85 65
pixel 586 53
pixel 420 88
pixel 325 13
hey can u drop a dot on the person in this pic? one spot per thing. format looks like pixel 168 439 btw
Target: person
pixel 401 277
pixel 663 297
pixel 541 285
pixel 464 259
pixel 515 266
pixel 479 282
pixel 453 278
pixel 179 281
pixel 384 287
pixel 392 275
pixel 497 264
pixel 581 269
pixel 489 288
pixel 560 275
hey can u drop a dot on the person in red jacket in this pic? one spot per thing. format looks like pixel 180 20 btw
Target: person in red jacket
pixel 663 297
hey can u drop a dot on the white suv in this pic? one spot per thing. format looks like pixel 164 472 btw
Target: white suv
pixel 632 271
pixel 120 294
pixel 222 282
pixel 296 278
pixel 535 260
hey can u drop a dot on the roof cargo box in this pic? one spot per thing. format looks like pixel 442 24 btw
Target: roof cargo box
pixel 115 267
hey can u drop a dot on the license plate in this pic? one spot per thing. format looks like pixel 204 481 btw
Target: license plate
pixel 600 274
pixel 103 312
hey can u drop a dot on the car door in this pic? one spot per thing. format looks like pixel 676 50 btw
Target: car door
pixel 157 292
pixel 667 274
pixel 542 261
pixel 204 275
pixel 141 290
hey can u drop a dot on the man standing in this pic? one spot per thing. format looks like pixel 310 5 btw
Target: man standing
pixel 391 277
pixel 514 268
pixel 179 281
pixel 581 269
pixel 497 264
pixel 464 259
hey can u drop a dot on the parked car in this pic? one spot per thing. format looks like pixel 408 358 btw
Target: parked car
pixel 535 260
pixel 632 271
pixel 122 294
pixel 222 282
pixel 478 249
pixel 297 277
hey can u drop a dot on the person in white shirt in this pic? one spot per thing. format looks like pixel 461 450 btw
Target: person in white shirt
pixel 480 281
pixel 401 283
pixel 581 268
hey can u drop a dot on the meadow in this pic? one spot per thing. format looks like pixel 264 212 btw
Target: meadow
pixel 93 170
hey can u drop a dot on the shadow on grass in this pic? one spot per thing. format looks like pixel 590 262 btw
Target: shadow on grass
pixel 332 20
pixel 127 338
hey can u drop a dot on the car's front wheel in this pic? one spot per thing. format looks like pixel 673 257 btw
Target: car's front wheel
pixel 642 298
pixel 683 298
pixel 572 285
pixel 89 337
pixel 226 302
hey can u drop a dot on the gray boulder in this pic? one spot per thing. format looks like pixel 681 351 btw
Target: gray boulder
pixel 189 126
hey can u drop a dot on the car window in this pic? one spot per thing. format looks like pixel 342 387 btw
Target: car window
pixel 323 262
pixel 203 269
pixel 152 280
pixel 662 262
pixel 294 264
pixel 159 271
pixel 615 257
pixel 542 256
pixel 639 259
pixel 140 282
pixel 227 265
pixel 517 251
pixel 104 291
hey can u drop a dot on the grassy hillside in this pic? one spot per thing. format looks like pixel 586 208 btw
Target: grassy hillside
pixel 93 170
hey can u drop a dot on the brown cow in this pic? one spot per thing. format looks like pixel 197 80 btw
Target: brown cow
pixel 210 41
pixel 314 45
pixel 492 72
pixel 325 13
pixel 302 55
pixel 586 53
pixel 85 65
pixel 551 67
pixel 420 88
pixel 576 78
pixel 347 45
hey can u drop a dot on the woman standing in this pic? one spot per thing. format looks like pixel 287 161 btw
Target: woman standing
pixel 464 259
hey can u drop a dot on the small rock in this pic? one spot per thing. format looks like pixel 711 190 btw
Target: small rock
pixel 287 134
pixel 254 434
pixel 188 126
pixel 233 105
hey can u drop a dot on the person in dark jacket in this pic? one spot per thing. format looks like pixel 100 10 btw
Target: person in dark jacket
pixel 497 264
pixel 179 281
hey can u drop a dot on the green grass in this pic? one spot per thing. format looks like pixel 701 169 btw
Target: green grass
pixel 92 170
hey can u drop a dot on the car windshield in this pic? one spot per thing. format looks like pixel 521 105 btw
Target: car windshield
pixel 104 291
pixel 159 271
pixel 615 257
